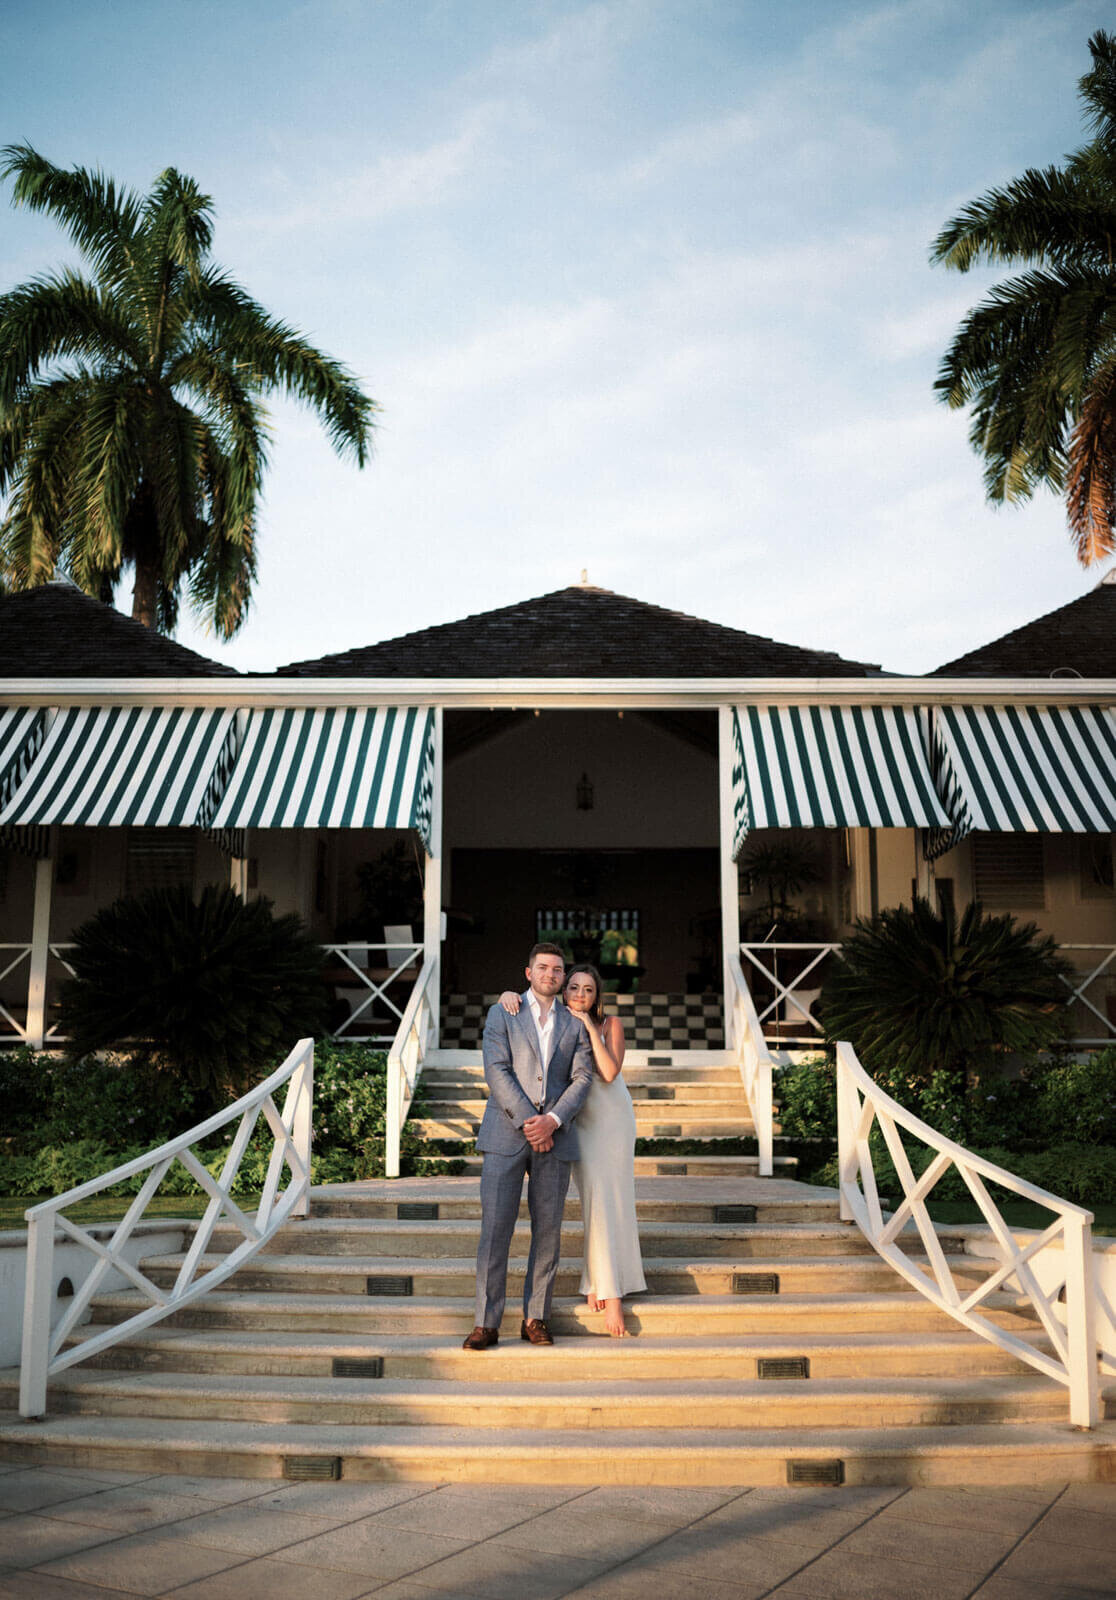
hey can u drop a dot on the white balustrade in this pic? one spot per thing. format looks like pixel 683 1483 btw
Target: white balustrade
pixel 1071 1356
pixel 796 994
pixel 373 968
pixel 755 1063
pixel 44 1346
pixel 405 1061
pixel 11 957
pixel 1103 970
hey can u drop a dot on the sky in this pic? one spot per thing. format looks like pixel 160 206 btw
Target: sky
pixel 641 287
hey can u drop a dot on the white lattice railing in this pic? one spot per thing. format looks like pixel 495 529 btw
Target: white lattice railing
pixel 1104 970
pixel 373 968
pixel 1072 1357
pixel 405 1059
pixel 44 1352
pixel 795 989
pixel 12 956
pixel 755 1063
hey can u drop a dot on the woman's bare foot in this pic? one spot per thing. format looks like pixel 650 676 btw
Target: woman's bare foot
pixel 614 1319
pixel 593 1303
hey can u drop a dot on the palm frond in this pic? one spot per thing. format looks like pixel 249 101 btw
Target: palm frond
pixel 54 318
pixel 274 356
pixel 102 220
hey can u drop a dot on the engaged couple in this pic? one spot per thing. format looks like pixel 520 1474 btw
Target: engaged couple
pixel 557 1100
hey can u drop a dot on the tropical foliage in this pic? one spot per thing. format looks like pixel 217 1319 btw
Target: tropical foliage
pixel 67 1121
pixel 217 986
pixel 1036 359
pixel 919 992
pixel 132 430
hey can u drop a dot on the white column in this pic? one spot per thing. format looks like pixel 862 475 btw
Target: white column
pixel 40 947
pixel 730 878
pixel 432 887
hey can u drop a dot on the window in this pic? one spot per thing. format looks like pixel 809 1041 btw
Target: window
pixel 1095 876
pixel 159 858
pixel 1008 871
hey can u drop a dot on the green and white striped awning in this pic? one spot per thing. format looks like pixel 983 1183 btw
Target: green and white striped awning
pixel 1026 769
pixel 361 767
pixel 126 766
pixel 832 767
pixel 22 729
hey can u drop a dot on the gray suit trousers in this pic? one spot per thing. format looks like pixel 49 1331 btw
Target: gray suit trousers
pixel 548 1178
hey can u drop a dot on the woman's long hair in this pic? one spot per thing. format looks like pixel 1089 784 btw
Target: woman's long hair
pixel 597 1012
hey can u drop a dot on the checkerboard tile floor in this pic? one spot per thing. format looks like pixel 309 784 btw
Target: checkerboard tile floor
pixel 651 1021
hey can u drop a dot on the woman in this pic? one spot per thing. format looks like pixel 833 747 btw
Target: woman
pixel 605 1172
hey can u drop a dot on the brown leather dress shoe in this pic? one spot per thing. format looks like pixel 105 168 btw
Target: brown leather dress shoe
pixel 482 1339
pixel 536 1332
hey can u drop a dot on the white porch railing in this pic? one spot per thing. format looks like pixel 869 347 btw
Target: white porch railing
pixel 12 957
pixel 43 1352
pixel 1103 970
pixel 755 1063
pixel 405 1060
pixel 373 969
pixel 1073 1358
pixel 796 995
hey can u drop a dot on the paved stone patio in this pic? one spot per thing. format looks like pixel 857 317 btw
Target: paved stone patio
pixel 87 1534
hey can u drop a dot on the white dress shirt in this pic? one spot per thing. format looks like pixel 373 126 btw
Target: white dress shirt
pixel 544 1030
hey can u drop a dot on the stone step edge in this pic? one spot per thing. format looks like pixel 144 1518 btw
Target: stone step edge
pixel 744 1346
pixel 1027 1387
pixel 964 1454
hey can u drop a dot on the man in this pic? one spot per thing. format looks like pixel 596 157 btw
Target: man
pixel 539 1068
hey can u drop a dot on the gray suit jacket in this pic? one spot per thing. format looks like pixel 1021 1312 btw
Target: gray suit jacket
pixel 513 1069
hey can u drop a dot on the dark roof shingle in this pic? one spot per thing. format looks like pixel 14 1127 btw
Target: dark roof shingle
pixel 580 632
pixel 57 631
pixel 1079 638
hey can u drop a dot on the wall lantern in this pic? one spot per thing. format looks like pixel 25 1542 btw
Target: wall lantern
pixel 585 793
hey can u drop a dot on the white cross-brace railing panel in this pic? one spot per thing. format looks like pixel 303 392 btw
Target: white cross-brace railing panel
pixel 1072 1355
pixel 806 962
pixel 1104 969
pixel 405 1061
pixel 11 955
pixel 358 956
pixel 44 1346
pixel 755 1063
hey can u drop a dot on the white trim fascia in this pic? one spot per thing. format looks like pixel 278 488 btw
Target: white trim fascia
pixel 556 693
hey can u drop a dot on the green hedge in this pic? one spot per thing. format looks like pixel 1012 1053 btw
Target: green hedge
pixel 67 1122
pixel 1053 1125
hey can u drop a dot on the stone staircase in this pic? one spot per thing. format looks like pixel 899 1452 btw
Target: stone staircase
pixel 702 1100
pixel 772 1346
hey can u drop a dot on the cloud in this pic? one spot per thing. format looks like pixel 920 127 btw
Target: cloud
pixel 400 180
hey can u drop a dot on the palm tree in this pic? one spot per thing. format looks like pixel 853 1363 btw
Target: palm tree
pixel 132 433
pixel 1036 359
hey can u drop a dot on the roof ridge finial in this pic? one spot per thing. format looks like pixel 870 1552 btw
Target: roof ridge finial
pixel 583 581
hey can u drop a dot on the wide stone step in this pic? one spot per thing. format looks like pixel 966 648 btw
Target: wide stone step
pixel 667 1126
pixel 685 1166
pixel 669 1316
pixel 425 1241
pixel 749 1457
pixel 575 1360
pixel 364 1218
pixel 710 1404
pixel 472 1077
pixel 456 1279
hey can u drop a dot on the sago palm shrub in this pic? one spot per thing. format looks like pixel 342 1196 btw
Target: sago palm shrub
pixel 922 995
pixel 218 988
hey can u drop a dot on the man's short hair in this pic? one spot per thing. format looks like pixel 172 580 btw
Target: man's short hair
pixel 545 950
